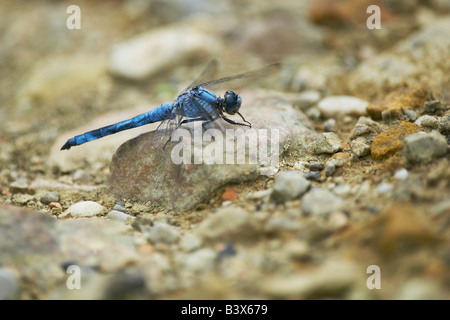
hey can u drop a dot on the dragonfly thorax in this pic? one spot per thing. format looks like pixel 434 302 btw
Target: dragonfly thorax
pixel 231 102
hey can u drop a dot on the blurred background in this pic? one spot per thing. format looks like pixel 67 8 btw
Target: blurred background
pixel 143 52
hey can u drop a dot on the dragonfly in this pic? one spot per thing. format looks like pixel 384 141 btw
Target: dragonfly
pixel 195 103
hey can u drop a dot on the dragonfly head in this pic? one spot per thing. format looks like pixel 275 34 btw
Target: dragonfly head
pixel 232 102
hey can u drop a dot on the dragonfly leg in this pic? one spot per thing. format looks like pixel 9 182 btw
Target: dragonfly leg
pixel 244 119
pixel 248 124
pixel 183 122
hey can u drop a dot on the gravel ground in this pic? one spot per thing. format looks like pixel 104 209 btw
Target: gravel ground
pixel 362 177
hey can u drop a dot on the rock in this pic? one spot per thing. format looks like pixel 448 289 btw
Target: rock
pixel 390 141
pixel 118 207
pixel 119 216
pixel 343 190
pixel 444 125
pixel 320 202
pixel 328 142
pixel 385 188
pixel 330 125
pixel 337 221
pixel 401 174
pixel 22 198
pixel 50 197
pixel 289 185
pixel 360 147
pixel 422 146
pixel 200 261
pixel 19 186
pixel 411 114
pixel 160 233
pixel 330 168
pixel 141 170
pixel 335 106
pixel 313 175
pixel 152 52
pixel 316 166
pixel 313 113
pixel 227 223
pixel 394 104
pixel 8 284
pixel 366 127
pixel 85 209
pixel 190 242
pixel 427 121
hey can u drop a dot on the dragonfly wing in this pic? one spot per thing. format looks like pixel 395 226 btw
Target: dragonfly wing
pixel 208 73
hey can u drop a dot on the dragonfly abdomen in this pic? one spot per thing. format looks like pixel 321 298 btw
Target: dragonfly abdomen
pixel 158 114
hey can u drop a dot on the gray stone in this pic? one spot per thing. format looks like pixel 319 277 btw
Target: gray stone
pixel 320 202
pixel 422 147
pixel 366 127
pixel 50 197
pixel 190 242
pixel 401 174
pixel 120 208
pixel 119 216
pixel 313 175
pixel 411 114
pixel 330 125
pixel 385 188
pixel 444 125
pixel 151 52
pixel 305 99
pixel 360 147
pixel 227 223
pixel 427 121
pixel 328 142
pixel 151 174
pixel 330 168
pixel 289 185
pixel 342 105
pixel 161 233
pixel 19 186
pixel 316 166
pixel 85 209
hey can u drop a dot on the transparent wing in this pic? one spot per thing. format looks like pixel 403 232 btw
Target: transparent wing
pixel 231 81
pixel 208 73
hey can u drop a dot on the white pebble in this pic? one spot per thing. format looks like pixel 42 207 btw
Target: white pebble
pixel 401 174
pixel 85 209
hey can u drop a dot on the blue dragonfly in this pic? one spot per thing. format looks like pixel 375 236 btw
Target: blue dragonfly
pixel 195 103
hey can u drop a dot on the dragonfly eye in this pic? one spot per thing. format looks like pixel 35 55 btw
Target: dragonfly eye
pixel 232 102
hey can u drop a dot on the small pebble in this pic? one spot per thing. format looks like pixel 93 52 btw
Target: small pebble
pixel 50 197
pixel 384 188
pixel 401 174
pixel 360 147
pixel 412 115
pixel 422 146
pixel 342 105
pixel 330 125
pixel 337 220
pixel 330 168
pixel 313 175
pixel 200 261
pixel 56 206
pixel 161 232
pixel 289 185
pixel 328 142
pixel 119 216
pixel 320 202
pixel 343 190
pixel 118 207
pixel 316 166
pixel 427 121
pixel 85 209
pixel 190 242
pixel 313 113
pixel 19 186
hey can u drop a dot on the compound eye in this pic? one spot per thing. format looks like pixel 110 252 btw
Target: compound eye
pixel 232 102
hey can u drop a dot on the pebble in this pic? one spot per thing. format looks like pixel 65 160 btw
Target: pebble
pixel 289 185
pixel 337 220
pixel 19 186
pixel 424 146
pixel 366 127
pixel 160 233
pixel 84 209
pixel 22 198
pixel 118 207
pixel 320 202
pixel 281 224
pixel 313 113
pixel 343 190
pixel 342 105
pixel 119 216
pixel 8 284
pixel 328 142
pixel 427 121
pixel 330 125
pixel 306 99
pixel 313 175
pixel 190 242
pixel 444 125
pixel 228 222
pixel 360 147
pixel 411 114
pixel 151 52
pixel 200 261
pixel 384 188
pixel 50 197
pixel 316 166
pixel 401 174
pixel 330 168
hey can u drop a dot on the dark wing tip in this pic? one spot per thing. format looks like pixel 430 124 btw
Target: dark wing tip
pixel 66 146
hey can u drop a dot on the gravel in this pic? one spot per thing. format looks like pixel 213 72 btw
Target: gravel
pixel 327 143
pixel 119 216
pixel 50 197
